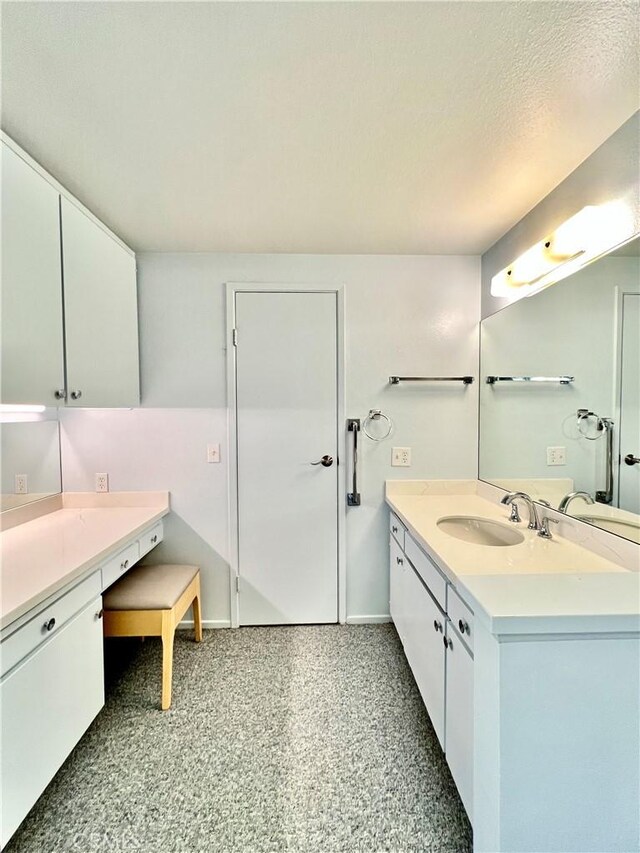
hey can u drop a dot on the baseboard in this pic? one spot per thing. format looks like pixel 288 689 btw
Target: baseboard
pixel 372 619
pixel 187 624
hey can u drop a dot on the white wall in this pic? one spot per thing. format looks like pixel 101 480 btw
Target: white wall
pixel 404 315
pixel 32 448
pixel 610 173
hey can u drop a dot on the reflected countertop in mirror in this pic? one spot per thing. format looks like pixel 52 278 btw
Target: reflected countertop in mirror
pixel 556 436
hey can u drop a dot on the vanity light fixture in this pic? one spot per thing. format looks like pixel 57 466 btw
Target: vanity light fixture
pixel 594 230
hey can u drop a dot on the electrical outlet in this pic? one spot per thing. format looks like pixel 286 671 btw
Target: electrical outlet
pixel 556 455
pixel 21 487
pixel 401 457
pixel 213 452
pixel 102 482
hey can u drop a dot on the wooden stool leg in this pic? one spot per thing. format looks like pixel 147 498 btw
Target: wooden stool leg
pixel 197 614
pixel 168 630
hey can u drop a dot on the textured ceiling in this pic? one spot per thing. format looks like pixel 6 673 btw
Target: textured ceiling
pixel 316 127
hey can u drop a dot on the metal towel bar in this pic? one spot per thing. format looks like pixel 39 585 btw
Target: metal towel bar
pixel 353 498
pixel 396 380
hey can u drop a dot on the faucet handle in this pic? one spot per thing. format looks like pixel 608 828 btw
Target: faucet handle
pixel 515 515
pixel 544 526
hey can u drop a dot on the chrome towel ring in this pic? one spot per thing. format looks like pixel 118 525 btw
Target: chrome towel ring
pixel 375 415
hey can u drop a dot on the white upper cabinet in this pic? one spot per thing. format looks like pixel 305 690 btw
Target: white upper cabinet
pixel 101 319
pixel 69 297
pixel 32 330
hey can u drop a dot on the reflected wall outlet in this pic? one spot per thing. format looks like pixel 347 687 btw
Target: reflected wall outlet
pixel 213 452
pixel 102 482
pixel 401 457
pixel 556 455
pixel 21 487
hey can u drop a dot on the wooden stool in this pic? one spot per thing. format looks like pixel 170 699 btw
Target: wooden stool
pixel 150 601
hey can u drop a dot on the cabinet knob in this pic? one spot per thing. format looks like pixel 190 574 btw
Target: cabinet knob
pixel 154 539
pixel 394 529
pixel 75 395
pixel 124 565
pixel 399 561
pixel 447 643
pixel 99 614
pixel 49 625
pixel 437 626
pixel 464 626
pixel 60 393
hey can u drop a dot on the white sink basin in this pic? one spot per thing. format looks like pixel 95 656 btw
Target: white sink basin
pixel 479 531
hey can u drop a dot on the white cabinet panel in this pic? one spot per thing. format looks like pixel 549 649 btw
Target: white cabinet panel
pixel 397 570
pixel 32 349
pixel 459 723
pixel 427 570
pixel 101 320
pixel 424 647
pixel 46 704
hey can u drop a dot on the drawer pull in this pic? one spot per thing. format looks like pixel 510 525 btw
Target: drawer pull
pixel 437 625
pixel 464 626
pixel 447 643
pixel 394 529
pixel 50 625
pixel 154 539
pixel 99 614
pixel 400 561
pixel 124 565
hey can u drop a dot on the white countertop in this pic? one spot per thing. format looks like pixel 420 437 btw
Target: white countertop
pixel 45 554
pixel 537 586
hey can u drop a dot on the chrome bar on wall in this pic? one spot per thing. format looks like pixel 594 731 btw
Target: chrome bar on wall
pixel 353 497
pixel 396 380
pixel 606 496
pixel 563 380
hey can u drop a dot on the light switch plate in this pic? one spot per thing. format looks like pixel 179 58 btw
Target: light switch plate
pixel 401 457
pixel 213 452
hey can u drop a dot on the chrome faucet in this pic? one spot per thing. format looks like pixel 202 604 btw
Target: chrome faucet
pixel 545 521
pixel 510 500
pixel 563 506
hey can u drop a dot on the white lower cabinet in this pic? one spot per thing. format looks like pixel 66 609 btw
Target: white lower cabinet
pixel 459 716
pixel 440 661
pixel 46 704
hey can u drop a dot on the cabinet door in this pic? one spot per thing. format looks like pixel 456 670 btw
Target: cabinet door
pixel 32 350
pixel 459 742
pixel 397 571
pixel 424 647
pixel 46 704
pixel 101 315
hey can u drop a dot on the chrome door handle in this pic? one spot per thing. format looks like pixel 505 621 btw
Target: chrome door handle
pixel 326 461
pixel 630 459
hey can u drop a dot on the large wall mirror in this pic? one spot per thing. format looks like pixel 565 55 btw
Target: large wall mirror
pixel 560 394
pixel 29 457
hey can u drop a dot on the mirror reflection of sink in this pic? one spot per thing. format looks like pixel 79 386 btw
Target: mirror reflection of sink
pixel 479 531
pixel 614 525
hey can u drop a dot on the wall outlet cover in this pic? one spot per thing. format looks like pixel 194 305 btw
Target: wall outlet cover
pixel 21 484
pixel 556 455
pixel 401 457
pixel 102 482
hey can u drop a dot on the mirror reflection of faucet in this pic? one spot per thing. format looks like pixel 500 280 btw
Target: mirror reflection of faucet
pixel 563 506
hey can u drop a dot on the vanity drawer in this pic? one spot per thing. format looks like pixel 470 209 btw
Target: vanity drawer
pixel 150 539
pixel 427 570
pixel 119 564
pixel 461 616
pixel 397 529
pixel 47 622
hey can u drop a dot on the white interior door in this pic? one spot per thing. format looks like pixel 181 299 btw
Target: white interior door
pixel 287 419
pixel 629 497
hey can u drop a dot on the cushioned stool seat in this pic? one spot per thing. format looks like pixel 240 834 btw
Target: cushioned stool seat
pixel 150 601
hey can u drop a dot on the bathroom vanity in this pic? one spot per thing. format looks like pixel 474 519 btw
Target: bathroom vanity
pixel 55 566
pixel 526 652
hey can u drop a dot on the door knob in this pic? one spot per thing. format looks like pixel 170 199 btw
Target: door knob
pixel 326 461
pixel 630 459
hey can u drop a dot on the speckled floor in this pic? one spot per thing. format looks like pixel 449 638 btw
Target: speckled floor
pixel 301 739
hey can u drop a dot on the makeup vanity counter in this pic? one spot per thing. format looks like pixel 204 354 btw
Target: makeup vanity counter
pixel 58 555
pixel 527 657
